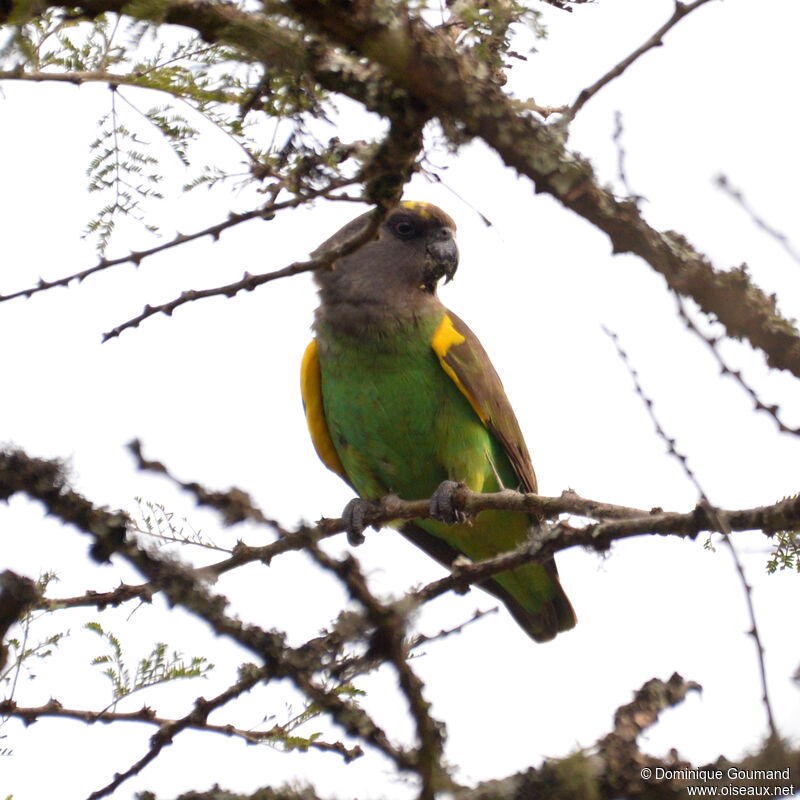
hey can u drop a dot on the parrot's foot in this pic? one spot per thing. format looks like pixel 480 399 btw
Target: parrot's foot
pixel 353 517
pixel 444 503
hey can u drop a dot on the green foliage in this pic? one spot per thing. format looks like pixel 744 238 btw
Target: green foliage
pixel 120 167
pixel 283 737
pixel 489 28
pixel 160 524
pixel 175 128
pixel 218 88
pixel 786 553
pixel 56 41
pixel 156 668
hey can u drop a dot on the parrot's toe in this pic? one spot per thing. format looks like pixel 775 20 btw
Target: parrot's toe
pixel 353 517
pixel 444 505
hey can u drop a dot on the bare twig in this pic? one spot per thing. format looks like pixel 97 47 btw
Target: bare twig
pixel 712 342
pixel 247 283
pixel 681 10
pixel 621 172
pixel 234 505
pixel 736 194
pixel 648 403
pixel 721 524
pixel 421 639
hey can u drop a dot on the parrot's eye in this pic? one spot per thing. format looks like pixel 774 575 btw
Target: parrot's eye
pixel 404 228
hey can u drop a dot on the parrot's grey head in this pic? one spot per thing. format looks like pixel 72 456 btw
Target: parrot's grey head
pixel 414 248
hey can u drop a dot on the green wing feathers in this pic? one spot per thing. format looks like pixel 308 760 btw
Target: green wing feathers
pixel 532 593
pixel 463 358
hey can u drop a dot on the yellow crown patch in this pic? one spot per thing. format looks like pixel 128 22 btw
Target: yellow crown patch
pixel 423 209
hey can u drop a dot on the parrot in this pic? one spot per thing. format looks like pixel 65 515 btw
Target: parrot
pixel 401 398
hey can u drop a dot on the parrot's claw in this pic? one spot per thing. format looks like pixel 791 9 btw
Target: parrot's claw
pixel 444 505
pixel 353 518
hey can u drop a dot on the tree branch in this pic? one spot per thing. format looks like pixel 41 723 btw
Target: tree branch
pixel 656 40
pixel 389 642
pixel 615 767
pixel 276 734
pixel 44 480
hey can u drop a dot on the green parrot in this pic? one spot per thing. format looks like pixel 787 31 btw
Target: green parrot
pixel 400 397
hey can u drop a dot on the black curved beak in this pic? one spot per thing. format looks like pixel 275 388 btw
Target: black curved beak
pixel 442 253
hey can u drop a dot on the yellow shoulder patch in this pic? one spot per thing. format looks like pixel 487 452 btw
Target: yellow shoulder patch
pixel 311 390
pixel 445 337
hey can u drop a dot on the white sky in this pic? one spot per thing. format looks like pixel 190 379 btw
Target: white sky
pixel 213 392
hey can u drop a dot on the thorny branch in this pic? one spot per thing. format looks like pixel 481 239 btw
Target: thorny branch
pixel 713 345
pixel 248 282
pixel 720 522
pixel 31 714
pixel 265 212
pixel 44 480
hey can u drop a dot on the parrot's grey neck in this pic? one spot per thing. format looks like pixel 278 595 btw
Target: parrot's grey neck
pixel 365 316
